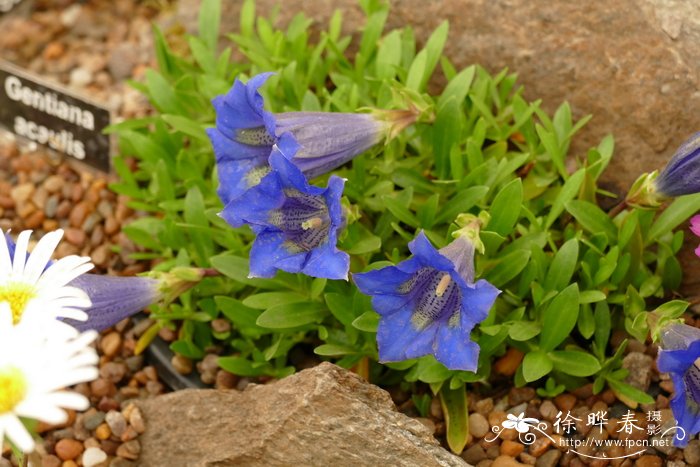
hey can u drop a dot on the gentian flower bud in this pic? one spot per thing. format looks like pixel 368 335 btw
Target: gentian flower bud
pixel 115 298
pixel 429 304
pixel 316 142
pixel 679 355
pixel 681 176
pixel 296 224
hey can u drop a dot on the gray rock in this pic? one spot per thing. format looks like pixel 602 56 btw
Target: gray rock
pixel 549 458
pixel 122 60
pixel 639 367
pixel 322 416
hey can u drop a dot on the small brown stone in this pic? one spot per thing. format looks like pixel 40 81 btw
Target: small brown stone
pixel 103 432
pixel 540 446
pixel 182 365
pixel 50 461
pixel 478 425
pixel 68 449
pixel 565 402
pixel 509 363
pixel 34 220
pixel 548 410
pixel 78 214
pixel 511 448
pixel 102 387
pixel 111 343
pixel 506 461
pixel 474 454
pixel 53 50
pixel 649 461
pixel 520 395
pixel 74 236
pixel 129 450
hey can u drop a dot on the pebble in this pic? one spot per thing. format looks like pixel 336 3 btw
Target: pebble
pixel 549 458
pixel 565 402
pixel 182 365
pixel 540 446
pixel 129 450
pixel 478 425
pixel 75 236
pixel 103 431
pixel 136 420
pixel 111 343
pixel 649 461
pixel 93 418
pixel 520 395
pixel 505 461
pixel 80 77
pixel 46 461
pixel 511 448
pixel 68 449
pixel 548 410
pixel 93 456
pixel 116 422
pixel 484 406
pixel 474 454
pixel 691 453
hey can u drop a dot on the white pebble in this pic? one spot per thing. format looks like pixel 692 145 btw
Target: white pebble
pixel 93 456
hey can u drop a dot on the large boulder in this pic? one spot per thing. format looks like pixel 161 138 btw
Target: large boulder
pixel 322 416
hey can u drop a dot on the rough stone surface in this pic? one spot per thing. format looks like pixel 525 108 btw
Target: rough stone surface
pixel 321 416
pixel 639 367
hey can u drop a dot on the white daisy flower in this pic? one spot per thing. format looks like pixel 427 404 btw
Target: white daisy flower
pixel 34 287
pixel 34 369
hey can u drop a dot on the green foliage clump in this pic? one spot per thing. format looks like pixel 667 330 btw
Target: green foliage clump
pixel 570 273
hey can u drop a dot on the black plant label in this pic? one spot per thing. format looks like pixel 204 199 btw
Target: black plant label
pixel 52 117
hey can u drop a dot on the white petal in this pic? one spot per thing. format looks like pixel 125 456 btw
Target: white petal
pixel 20 252
pixel 17 433
pixel 43 411
pixel 41 255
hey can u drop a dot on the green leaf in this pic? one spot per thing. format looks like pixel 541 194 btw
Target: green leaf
pixel 508 267
pixel 591 296
pixel 568 192
pixel 341 307
pixel 454 408
pixel 209 19
pixel 239 366
pixel 367 321
pixel 334 350
pixel 263 301
pixel 561 270
pixel 601 315
pixel 524 330
pixel 505 208
pixel 291 315
pixel 678 211
pixel 536 364
pixel 458 87
pixel 629 392
pixel 559 318
pixel 592 218
pixel 575 362
pixel 186 126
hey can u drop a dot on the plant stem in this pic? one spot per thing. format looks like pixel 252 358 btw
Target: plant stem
pixel 618 208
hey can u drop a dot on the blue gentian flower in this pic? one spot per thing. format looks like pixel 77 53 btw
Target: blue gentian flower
pixel 429 304
pixel 296 224
pixel 316 142
pixel 115 298
pixel 679 355
pixel 681 176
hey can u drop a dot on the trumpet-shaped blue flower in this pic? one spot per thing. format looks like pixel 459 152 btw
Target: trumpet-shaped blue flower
pixel 115 298
pixel 317 142
pixel 681 176
pixel 680 356
pixel 429 304
pixel 296 224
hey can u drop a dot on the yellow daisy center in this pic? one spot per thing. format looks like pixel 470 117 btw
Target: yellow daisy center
pixel 13 388
pixel 17 295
